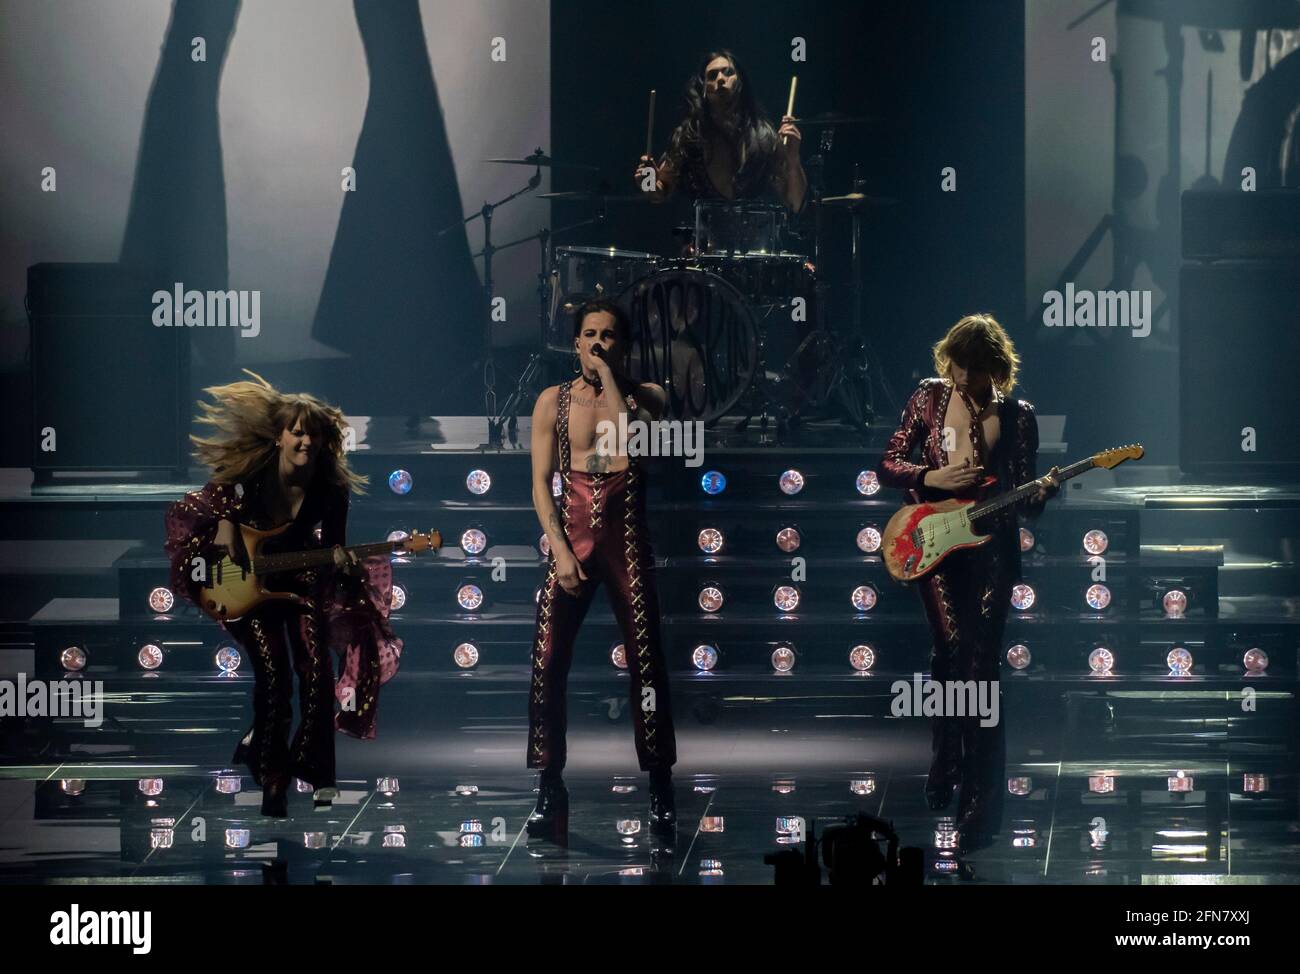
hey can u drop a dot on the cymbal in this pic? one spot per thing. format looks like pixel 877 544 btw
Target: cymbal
pixel 579 196
pixel 853 201
pixel 540 159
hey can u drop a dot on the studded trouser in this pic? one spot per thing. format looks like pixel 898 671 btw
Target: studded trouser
pixel 966 601
pixel 281 639
pixel 604 518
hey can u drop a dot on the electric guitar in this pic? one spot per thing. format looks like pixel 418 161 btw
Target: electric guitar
pixel 232 591
pixel 920 536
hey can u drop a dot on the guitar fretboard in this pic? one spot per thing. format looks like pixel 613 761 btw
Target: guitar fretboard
pixel 291 561
pixel 1026 490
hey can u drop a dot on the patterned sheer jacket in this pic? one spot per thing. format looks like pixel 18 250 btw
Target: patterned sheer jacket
pixel 354 609
pixel 1013 461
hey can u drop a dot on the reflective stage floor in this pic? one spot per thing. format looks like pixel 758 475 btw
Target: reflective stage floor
pixel 1148 783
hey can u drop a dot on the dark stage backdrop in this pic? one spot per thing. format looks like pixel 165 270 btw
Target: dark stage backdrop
pixel 944 84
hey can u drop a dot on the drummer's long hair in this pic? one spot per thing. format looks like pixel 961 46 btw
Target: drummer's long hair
pixel 247 419
pixel 761 165
pixel 978 342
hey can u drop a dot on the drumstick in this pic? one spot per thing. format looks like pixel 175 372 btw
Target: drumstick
pixel 650 125
pixel 789 106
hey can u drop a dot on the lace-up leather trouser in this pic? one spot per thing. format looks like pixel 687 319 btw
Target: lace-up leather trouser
pixel 966 601
pixel 604 519
pixel 279 639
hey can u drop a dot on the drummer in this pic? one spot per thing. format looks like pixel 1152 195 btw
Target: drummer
pixel 725 148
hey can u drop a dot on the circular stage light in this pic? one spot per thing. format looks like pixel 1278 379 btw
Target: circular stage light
pixel 618 656
pixel 161 600
pixel 1020 785
pixel 783 658
pixel 479 482
pixel 466 791
pixel 863 786
pixel 313 840
pixel 864 598
pixel 1097 596
pixel 791 482
pixel 869 539
pixel 713 823
pixel 1022 597
pixel 237 838
pixel 161 838
pixel 397 534
pixel 150 656
pixel 862 658
pixel 1254 783
pixel 710 598
pixel 704 657
pixel 786 598
pixel 1181 781
pixel 1255 660
pixel 397 598
pixel 73 659
pixel 229 784
pixel 544 546
pixel 784 786
pixel 73 786
pixel 470 597
pixel 1019 657
pixel 710 541
pixel 867 483
pixel 1026 539
pixel 713 482
pixel 1101 661
pixel 1095 542
pixel 628 826
pixel 1101 784
pixel 465 655
pixel 152 787
pixel 400 482
pixel 1180 661
pixel 473 541
pixel 788 540
pixel 1175 604
pixel 388 786
pixel 228 659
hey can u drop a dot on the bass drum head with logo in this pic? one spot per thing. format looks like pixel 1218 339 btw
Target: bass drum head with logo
pixel 695 335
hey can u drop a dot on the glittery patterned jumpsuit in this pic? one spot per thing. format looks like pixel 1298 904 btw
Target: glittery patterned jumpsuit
pixel 279 638
pixel 967 598
pixel 603 516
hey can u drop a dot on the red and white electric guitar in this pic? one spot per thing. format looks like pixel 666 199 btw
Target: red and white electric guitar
pixel 920 536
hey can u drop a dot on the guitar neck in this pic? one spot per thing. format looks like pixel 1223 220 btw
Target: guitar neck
pixel 290 561
pixel 1025 490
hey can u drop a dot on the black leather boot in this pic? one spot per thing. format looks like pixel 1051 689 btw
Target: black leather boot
pixel 663 802
pixel 552 811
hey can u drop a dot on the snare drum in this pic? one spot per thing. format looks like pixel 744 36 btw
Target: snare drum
pixel 762 278
pixel 580 274
pixel 738 227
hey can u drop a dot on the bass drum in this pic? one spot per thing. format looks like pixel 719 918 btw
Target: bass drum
pixel 695 335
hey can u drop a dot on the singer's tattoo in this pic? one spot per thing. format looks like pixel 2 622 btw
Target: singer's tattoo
pixel 598 463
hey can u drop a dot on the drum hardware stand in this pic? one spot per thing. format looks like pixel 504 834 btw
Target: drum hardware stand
pixel 508 418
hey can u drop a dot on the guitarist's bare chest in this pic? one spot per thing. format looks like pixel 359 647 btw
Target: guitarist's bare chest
pixel 958 424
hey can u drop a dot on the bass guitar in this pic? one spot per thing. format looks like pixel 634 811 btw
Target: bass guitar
pixel 920 536
pixel 233 590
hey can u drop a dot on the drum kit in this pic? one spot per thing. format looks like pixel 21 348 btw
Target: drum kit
pixel 733 326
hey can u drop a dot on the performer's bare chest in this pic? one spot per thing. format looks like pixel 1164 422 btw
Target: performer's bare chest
pixel 957 418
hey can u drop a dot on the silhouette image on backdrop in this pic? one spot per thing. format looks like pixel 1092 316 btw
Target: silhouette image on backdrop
pixel 403 301
pixel 176 224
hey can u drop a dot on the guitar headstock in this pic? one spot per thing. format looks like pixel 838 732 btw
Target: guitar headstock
pixel 1109 459
pixel 418 542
